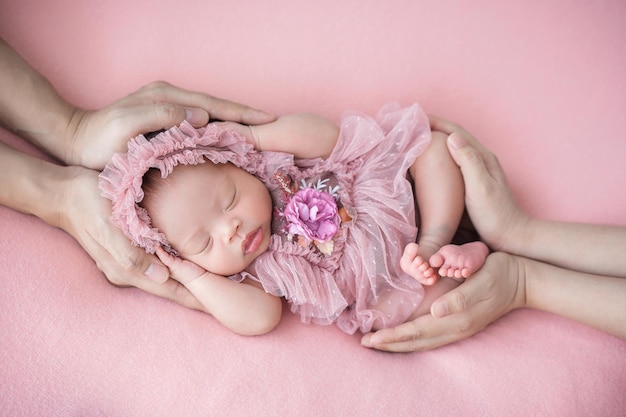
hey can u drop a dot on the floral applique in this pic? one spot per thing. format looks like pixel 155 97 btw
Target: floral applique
pixel 311 212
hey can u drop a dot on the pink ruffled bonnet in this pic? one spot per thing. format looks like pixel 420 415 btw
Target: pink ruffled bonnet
pixel 122 178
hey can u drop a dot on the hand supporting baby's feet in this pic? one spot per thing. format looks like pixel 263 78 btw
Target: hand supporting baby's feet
pixel 452 261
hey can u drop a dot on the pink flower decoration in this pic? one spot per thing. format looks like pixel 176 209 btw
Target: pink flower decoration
pixel 312 214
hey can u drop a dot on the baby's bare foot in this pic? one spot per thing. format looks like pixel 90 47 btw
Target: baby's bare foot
pixel 459 261
pixel 416 266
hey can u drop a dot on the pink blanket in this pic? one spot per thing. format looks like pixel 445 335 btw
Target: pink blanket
pixel 541 83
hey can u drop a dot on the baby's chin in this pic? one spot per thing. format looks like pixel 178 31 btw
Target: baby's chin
pixel 250 264
pixel 247 264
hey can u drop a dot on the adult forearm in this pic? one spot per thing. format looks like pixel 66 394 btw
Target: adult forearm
pixel 31 185
pixel 594 300
pixel 594 249
pixel 29 104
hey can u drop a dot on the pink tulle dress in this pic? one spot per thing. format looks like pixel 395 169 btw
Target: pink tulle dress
pixel 354 279
pixel 340 224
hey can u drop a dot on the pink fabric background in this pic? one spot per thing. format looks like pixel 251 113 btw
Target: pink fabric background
pixel 541 83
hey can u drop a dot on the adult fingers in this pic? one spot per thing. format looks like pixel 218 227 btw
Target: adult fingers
pixel 423 333
pixel 122 260
pixel 454 316
pixel 217 108
pixel 459 138
pixel 469 159
pixel 151 117
pixel 155 282
pixel 171 290
pixel 460 299
pixel 231 111
pixel 107 131
pixel 480 168
pixel 87 218
pixel 440 124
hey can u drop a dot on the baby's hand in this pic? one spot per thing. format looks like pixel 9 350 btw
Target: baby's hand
pixel 181 270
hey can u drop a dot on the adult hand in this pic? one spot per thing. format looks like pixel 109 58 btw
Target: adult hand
pixel 488 199
pixel 30 106
pixel 83 213
pixel 94 136
pixel 497 288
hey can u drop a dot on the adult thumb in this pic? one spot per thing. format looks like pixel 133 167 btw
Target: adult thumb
pixel 468 158
pixel 458 300
pixel 157 272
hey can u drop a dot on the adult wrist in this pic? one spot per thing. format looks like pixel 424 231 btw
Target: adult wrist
pixel 519 235
pixel 48 191
pixel 525 276
pixel 68 135
pixel 30 185
pixel 57 128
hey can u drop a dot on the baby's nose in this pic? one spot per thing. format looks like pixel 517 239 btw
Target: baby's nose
pixel 232 229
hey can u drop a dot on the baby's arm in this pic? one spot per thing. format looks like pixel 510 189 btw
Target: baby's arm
pixel 439 191
pixel 305 135
pixel 245 308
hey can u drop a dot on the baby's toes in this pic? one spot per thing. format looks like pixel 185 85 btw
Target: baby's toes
pixel 437 260
pixel 408 264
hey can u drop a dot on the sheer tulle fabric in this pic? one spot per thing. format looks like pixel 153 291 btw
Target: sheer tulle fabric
pixel 361 283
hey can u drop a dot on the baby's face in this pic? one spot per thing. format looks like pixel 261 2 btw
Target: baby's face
pixel 215 215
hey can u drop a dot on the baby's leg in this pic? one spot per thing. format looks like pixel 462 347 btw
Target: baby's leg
pixel 440 194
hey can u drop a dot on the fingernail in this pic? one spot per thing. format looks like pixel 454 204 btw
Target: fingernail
pixel 456 140
pixel 196 117
pixel 157 273
pixel 366 341
pixel 439 309
pixel 255 116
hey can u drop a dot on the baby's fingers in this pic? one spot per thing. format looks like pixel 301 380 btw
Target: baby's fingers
pixel 167 259
pixel 183 271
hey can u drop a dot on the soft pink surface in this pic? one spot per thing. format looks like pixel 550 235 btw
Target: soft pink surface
pixel 541 83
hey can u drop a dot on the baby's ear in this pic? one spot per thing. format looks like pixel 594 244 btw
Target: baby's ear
pixel 244 130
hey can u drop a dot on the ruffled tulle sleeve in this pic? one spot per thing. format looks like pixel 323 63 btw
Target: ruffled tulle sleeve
pixel 393 122
pixel 309 288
